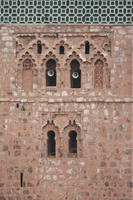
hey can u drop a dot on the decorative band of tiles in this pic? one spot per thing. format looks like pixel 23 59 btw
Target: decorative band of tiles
pixel 66 11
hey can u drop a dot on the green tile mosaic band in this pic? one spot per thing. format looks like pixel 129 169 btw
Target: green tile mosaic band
pixel 66 11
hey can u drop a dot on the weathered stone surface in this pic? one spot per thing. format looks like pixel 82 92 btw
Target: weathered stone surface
pixel 17 153
pixel 2 198
pixel 5 147
pixel 100 112
pixel 30 170
pixel 1 133
pixel 1 184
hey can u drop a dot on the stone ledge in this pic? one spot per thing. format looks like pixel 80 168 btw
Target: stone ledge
pixel 64 100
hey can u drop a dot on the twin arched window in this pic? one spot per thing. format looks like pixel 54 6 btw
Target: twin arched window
pixel 75 73
pixel 51 143
pixel 87 48
pixel 39 48
pixel 51 75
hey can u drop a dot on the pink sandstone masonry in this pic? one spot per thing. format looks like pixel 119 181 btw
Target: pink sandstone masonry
pixel 100 113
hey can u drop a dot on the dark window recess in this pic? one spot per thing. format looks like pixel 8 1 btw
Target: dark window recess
pixel 39 47
pixel 62 50
pixel 87 47
pixel 17 105
pixel 21 179
pixel 51 73
pixel 51 144
pixel 75 74
pixel 72 142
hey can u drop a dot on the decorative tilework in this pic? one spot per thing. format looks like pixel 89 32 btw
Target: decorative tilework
pixel 66 11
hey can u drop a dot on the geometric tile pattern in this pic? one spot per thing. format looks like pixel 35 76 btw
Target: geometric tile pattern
pixel 66 11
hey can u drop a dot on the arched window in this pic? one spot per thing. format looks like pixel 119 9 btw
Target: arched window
pixel 75 74
pixel 51 144
pixel 73 142
pixel 62 50
pixel 87 47
pixel 39 47
pixel 98 74
pixel 27 75
pixel 51 73
pixel 21 179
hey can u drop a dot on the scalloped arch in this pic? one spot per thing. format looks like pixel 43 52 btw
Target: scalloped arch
pixel 50 55
pixel 99 56
pixel 73 56
pixel 24 57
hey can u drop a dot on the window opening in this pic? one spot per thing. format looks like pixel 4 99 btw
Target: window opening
pixel 72 142
pixel 87 47
pixel 17 105
pixel 51 73
pixel 51 143
pixel 39 47
pixel 75 74
pixel 62 50
pixel 21 179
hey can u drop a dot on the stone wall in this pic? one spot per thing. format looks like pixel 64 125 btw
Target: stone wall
pixel 102 116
